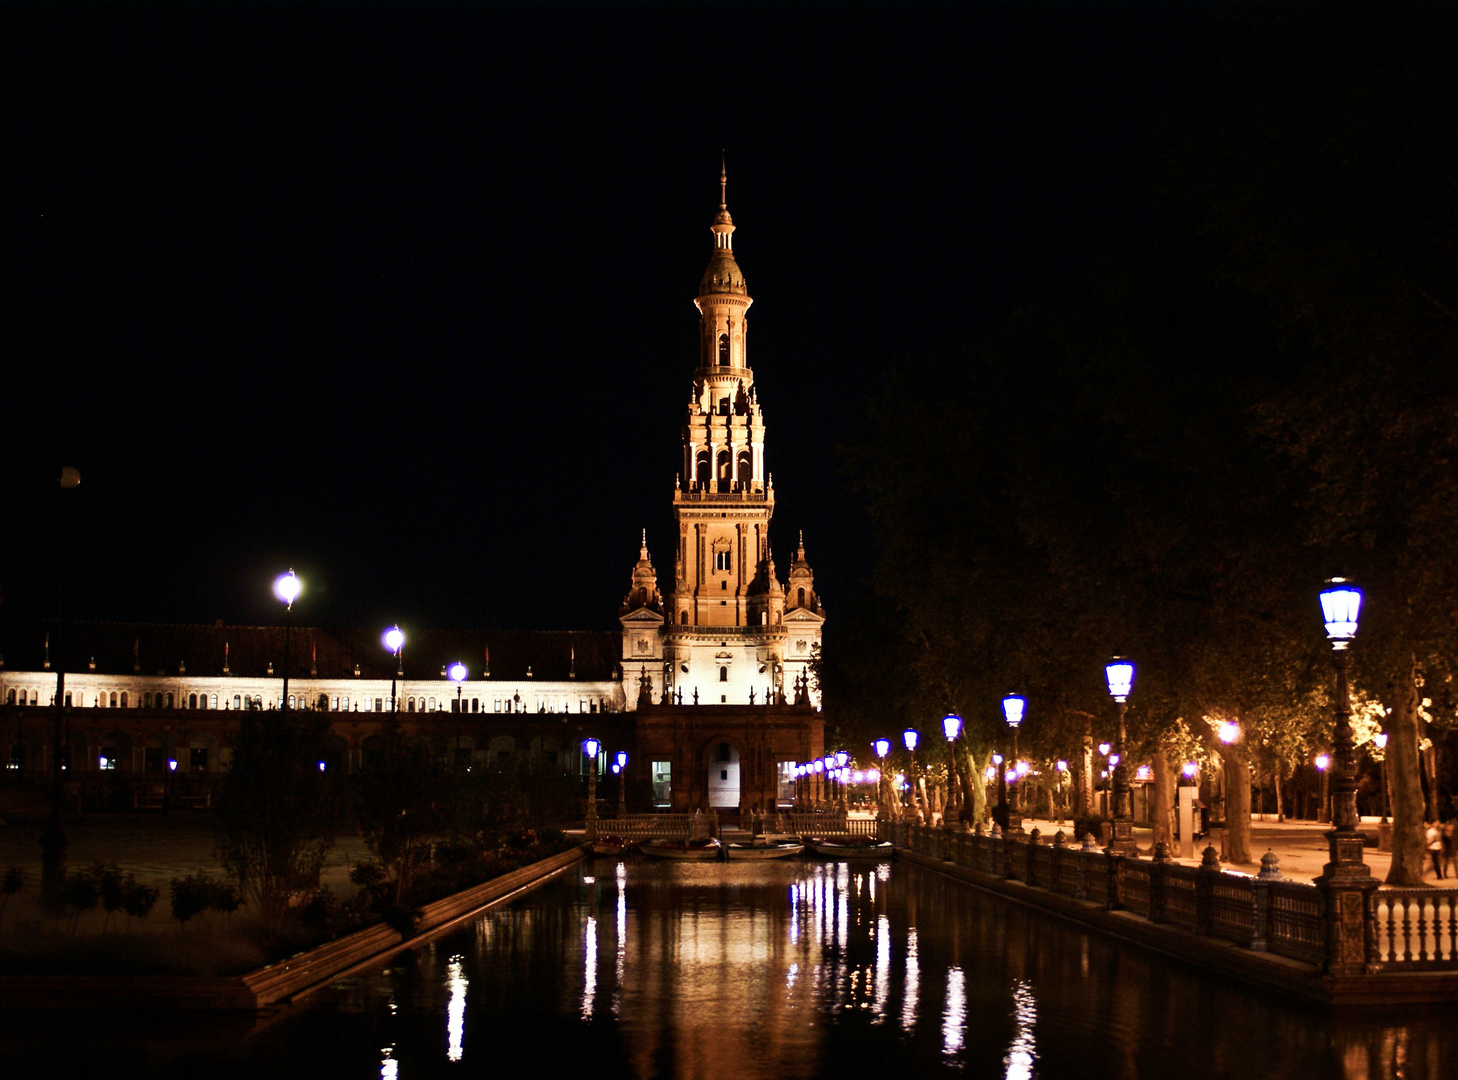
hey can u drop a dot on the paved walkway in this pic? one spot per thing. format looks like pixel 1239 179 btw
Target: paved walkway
pixel 1300 845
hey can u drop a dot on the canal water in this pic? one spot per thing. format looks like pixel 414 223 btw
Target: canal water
pixel 767 971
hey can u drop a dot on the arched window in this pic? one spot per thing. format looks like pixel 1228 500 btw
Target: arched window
pixel 215 701
pixel 147 699
pixel 68 699
pixel 291 701
pixel 723 674
pixel 431 706
pixel 723 470
pixel 682 618
pixel 801 594
pixel 237 701
pixel 10 697
pixel 701 468
pixel 192 701
pixel 124 699
pixel 409 704
pixel 723 350
pixel 169 699
pixel 113 699
pixel 323 702
pixel 344 704
pixel 746 468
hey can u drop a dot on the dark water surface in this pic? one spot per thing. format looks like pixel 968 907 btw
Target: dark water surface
pixel 763 971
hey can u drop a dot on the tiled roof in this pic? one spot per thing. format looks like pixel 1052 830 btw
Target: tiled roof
pixel 161 649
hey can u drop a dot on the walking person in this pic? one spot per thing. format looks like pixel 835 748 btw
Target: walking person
pixel 1434 837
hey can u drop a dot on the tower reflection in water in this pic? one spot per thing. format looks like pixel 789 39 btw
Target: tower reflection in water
pixel 799 969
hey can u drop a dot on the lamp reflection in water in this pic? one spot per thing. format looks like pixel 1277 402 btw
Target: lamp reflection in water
pixel 883 968
pixel 911 988
pixel 954 1018
pixel 456 1009
pixel 620 966
pixel 589 968
pixel 1021 1053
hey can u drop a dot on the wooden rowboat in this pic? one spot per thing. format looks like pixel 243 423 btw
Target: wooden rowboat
pixel 850 847
pixel 763 849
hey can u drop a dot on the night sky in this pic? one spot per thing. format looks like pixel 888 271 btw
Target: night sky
pixel 401 295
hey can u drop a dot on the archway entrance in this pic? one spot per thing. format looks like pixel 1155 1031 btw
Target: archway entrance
pixel 723 775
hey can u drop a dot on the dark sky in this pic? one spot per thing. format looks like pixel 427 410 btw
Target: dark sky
pixel 401 295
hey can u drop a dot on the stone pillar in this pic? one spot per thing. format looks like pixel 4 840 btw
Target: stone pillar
pixel 1205 879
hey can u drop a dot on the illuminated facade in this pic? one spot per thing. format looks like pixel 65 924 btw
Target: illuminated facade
pixel 727 631
pixel 708 685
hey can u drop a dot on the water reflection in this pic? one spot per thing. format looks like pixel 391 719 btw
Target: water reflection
pixel 747 971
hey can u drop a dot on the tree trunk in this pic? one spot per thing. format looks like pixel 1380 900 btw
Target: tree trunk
pixel 976 788
pixel 1280 805
pixel 1406 790
pixel 1085 771
pixel 1237 805
pixel 1430 774
pixel 1163 813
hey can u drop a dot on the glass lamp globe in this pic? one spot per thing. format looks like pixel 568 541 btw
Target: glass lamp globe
pixel 1012 708
pixel 287 588
pixel 882 747
pixel 909 736
pixel 590 747
pixel 952 726
pixel 1120 675
pixel 457 672
pixel 1341 601
pixel 394 639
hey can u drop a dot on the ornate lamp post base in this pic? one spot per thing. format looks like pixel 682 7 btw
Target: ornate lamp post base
pixel 1123 842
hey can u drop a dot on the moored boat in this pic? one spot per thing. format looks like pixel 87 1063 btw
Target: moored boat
pixel 683 849
pixel 763 849
pixel 850 847
pixel 613 845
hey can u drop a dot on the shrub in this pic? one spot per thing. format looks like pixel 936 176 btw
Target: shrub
pixel 79 894
pixel 138 900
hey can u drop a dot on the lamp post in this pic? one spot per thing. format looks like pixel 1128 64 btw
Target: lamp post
pixel 1013 706
pixel 882 747
pixel 1120 675
pixel 53 841
pixel 394 641
pixel 828 761
pixel 841 759
pixel 620 766
pixel 910 737
pixel 590 747
pixel 458 675
pixel 951 728
pixel 1323 810
pixel 1062 767
pixel 287 588
pixel 1340 604
pixel 1381 740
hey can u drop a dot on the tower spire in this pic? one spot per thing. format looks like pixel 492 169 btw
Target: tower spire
pixel 723 182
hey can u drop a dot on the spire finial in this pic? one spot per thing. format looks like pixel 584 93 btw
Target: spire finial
pixel 643 551
pixel 723 181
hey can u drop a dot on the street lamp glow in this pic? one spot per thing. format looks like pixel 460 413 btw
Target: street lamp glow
pixel 858 777
pixel 457 672
pixel 1104 748
pixel 287 588
pixel 1190 769
pixel 1120 674
pixel 394 639
pixel 1062 766
pixel 820 766
pixel 873 776
pixel 1012 708
pixel 172 764
pixel 1113 759
pixel 1381 740
pixel 990 772
pixel 1341 601
pixel 909 736
pixel 841 757
pixel 321 766
pixel 1323 762
pixel 952 725
pixel 1229 732
pixel 590 747
pixel 622 759
pixel 882 747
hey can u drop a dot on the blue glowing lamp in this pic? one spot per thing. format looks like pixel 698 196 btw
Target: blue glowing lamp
pixel 590 747
pixel 1340 603
pixel 287 588
pixel 909 736
pixel 882 747
pixel 952 726
pixel 841 757
pixel 1012 708
pixel 457 672
pixel 1120 673
pixel 394 639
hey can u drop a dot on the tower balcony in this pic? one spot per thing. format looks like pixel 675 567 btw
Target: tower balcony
pixel 723 491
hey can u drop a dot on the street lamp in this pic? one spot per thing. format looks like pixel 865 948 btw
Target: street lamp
pixel 882 747
pixel 620 766
pixel 1323 763
pixel 952 727
pixel 1062 767
pixel 1120 675
pixel 1341 601
pixel 458 675
pixel 394 641
pixel 1381 740
pixel 287 588
pixel 1013 707
pixel 910 737
pixel 53 840
pixel 590 747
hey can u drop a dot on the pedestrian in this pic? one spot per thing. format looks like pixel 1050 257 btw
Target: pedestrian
pixel 1434 837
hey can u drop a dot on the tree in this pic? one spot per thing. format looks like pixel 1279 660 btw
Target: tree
pixel 404 805
pixel 278 808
